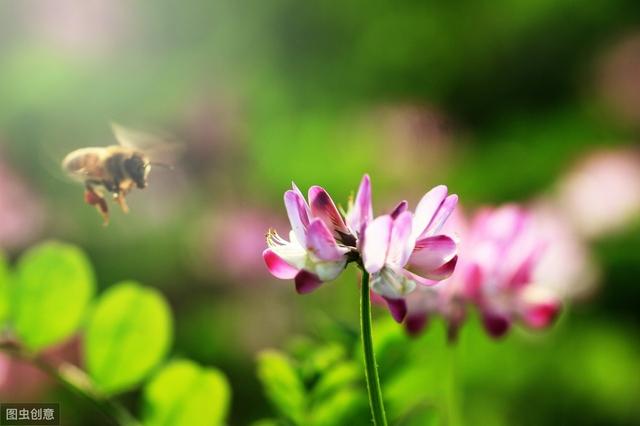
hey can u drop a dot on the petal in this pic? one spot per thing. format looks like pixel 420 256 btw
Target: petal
pixel 495 323
pixel 376 243
pixel 539 307
pixel 427 208
pixel 401 207
pixel 432 252
pixel 278 267
pixel 322 206
pixel 392 284
pixel 328 271
pixel 361 212
pixel 415 323
pixel 397 307
pixel 321 243
pixel 306 282
pixel 443 213
pixel 400 247
pixel 298 213
pixel 432 277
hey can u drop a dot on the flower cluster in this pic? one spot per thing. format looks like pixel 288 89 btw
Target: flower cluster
pixel 399 250
pixel 499 254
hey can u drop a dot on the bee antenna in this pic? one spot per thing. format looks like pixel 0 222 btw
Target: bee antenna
pixel 162 165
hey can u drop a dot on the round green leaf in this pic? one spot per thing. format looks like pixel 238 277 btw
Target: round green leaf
pixel 185 394
pixel 128 334
pixel 53 286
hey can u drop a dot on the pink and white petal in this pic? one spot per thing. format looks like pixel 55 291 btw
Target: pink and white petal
pixel 441 216
pixel 278 267
pixel 376 243
pixel 298 213
pixel 361 212
pixel 323 207
pixel 401 207
pixel 397 308
pixel 427 208
pixel 523 273
pixel 434 276
pixel 306 282
pixel 539 308
pixel 400 247
pixel 321 243
pixel 432 252
pixel 328 271
pixel 472 279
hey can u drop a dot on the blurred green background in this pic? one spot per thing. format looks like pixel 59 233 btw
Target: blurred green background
pixel 499 100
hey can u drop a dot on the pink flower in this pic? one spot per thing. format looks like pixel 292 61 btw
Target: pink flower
pixel 501 254
pixel 401 249
pixel 500 257
pixel 319 241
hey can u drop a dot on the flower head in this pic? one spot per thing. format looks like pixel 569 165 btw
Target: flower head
pixel 318 245
pixel 403 249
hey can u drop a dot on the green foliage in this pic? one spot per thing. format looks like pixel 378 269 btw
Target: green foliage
pixel 282 384
pixel 128 335
pixel 185 394
pixel 53 286
pixel 320 387
pixel 4 289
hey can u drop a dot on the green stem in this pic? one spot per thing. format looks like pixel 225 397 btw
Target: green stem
pixel 370 366
pixel 453 402
pixel 76 381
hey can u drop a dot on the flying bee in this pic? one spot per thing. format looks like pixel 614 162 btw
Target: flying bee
pixel 114 169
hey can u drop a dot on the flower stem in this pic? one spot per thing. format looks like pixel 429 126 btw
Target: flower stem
pixel 74 380
pixel 370 366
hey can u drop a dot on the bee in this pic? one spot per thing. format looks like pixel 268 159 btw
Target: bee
pixel 114 169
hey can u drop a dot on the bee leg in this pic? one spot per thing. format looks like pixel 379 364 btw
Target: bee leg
pixel 119 198
pixel 94 199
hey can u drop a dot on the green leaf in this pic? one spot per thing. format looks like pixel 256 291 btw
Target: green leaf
pixel 282 384
pixel 53 286
pixel 4 289
pixel 342 375
pixel 185 394
pixel 340 408
pixel 128 334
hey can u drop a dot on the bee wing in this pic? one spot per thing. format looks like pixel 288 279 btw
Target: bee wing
pixel 160 149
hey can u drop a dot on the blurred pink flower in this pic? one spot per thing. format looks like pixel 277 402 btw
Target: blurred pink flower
pixel 21 212
pixel 231 240
pixel 499 254
pixel 619 78
pixel 20 380
pixel 602 193
pixel 567 266
pixel 77 26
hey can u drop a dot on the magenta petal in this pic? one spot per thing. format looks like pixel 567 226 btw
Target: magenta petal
pixel 306 282
pixel 427 208
pixel 321 242
pixel 415 323
pixel 432 253
pixel 322 206
pixel 401 207
pixel 376 243
pixel 298 213
pixel 277 266
pixel 362 212
pixel 397 307
pixel 399 247
pixel 541 315
pixel 496 324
